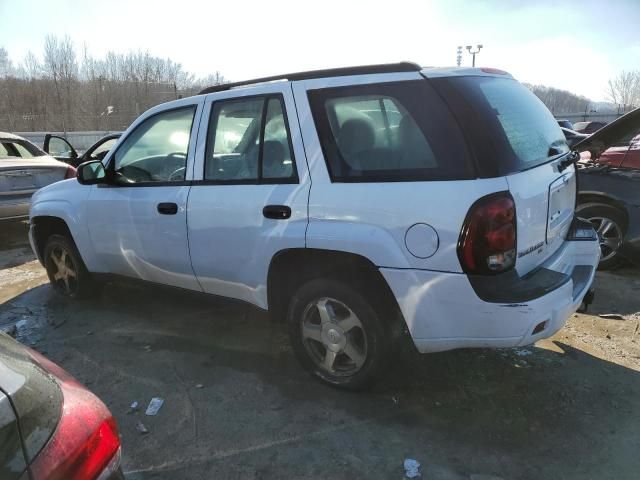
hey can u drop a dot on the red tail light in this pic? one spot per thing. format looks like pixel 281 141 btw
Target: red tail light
pixel 85 444
pixel 487 243
pixel 71 172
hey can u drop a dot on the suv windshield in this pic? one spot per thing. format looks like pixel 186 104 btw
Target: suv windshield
pixel 509 127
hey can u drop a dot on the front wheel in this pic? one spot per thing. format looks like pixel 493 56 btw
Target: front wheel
pixel 66 270
pixel 337 334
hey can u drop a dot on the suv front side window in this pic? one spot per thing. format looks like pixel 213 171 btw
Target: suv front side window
pixel 156 151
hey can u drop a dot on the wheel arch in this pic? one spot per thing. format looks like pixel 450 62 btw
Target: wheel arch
pixel 43 227
pixel 597 197
pixel 293 267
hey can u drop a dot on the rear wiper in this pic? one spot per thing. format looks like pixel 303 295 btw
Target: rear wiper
pixel 571 158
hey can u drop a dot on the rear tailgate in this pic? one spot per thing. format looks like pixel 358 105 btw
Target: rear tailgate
pixel 513 135
pixel 545 202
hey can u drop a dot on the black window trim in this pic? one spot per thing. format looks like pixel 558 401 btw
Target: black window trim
pixel 294 179
pixel 407 175
pixel 110 168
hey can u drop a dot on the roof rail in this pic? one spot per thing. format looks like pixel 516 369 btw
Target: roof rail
pixel 329 72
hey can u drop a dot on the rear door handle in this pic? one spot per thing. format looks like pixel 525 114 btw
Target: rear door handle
pixel 167 208
pixel 276 212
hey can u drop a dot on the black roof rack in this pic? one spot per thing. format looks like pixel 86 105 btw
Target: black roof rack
pixel 329 72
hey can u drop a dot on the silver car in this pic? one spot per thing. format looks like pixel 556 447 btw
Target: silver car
pixel 24 168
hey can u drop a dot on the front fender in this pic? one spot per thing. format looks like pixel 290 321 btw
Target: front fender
pixel 67 200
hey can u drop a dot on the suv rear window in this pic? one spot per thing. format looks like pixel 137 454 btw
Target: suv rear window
pixel 510 129
pixel 398 131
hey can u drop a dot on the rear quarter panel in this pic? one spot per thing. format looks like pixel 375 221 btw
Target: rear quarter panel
pixel 372 219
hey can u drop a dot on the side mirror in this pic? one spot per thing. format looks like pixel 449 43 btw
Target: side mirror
pixel 91 173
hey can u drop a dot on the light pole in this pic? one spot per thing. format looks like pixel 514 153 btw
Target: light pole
pixel 479 47
pixel 459 55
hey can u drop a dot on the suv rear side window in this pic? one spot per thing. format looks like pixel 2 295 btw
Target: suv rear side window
pixel 510 128
pixel 398 131
pixel 249 142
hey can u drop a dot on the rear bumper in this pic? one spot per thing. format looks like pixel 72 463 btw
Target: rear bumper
pixel 443 311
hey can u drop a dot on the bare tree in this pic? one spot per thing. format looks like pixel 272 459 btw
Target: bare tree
pixel 560 101
pixel 6 67
pixel 624 89
pixel 66 91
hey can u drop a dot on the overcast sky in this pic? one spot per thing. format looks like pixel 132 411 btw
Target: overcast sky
pixel 574 45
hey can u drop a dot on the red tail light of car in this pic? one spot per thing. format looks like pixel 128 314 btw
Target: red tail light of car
pixel 71 172
pixel 487 243
pixel 85 444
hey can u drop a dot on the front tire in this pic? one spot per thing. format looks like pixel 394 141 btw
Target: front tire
pixel 608 221
pixel 337 334
pixel 66 270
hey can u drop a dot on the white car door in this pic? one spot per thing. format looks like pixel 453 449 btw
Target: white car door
pixel 137 220
pixel 249 196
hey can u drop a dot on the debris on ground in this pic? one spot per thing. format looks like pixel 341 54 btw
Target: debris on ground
pixel 154 406
pixel 147 348
pixel 199 385
pixel 134 407
pixel 411 468
pixel 141 428
pixel 522 352
pixel 611 316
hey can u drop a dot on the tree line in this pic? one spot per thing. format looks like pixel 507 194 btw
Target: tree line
pixel 67 91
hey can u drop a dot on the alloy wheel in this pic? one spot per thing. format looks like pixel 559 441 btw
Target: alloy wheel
pixel 63 271
pixel 609 235
pixel 334 337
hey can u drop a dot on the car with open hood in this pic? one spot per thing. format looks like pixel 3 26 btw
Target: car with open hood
pixel 609 188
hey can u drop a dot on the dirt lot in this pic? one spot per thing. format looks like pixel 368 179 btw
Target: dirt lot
pixel 237 405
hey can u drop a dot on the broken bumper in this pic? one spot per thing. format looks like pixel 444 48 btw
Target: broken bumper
pixel 444 311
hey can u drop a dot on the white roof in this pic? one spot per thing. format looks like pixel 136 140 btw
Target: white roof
pixel 435 72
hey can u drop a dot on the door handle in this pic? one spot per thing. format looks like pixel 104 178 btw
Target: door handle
pixel 167 208
pixel 276 212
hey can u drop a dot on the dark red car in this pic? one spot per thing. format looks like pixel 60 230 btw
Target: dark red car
pixel 624 153
pixel 51 427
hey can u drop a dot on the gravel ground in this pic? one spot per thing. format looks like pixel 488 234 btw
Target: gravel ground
pixel 237 404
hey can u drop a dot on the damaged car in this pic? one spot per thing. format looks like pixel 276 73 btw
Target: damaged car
pixel 358 205
pixel 609 188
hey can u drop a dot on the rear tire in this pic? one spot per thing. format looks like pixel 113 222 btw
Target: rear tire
pixel 67 272
pixel 609 223
pixel 337 334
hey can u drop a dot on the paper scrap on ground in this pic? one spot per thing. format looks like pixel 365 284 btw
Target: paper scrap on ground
pixel 154 406
pixel 411 468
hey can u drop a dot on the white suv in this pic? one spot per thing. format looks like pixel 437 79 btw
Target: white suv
pixel 357 203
